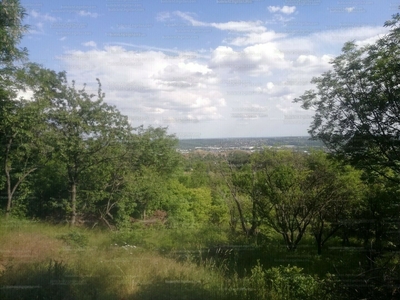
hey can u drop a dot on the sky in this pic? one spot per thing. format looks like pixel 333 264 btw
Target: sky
pixel 202 68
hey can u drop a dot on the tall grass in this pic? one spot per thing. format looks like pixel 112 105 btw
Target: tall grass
pixel 42 261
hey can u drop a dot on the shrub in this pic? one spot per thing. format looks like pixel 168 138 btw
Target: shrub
pixel 284 283
pixel 75 238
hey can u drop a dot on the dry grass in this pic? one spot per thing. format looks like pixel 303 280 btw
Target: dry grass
pixel 41 261
pixel 34 255
pixel 20 248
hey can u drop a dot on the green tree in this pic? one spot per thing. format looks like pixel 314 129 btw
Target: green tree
pixel 24 131
pixel 49 192
pixel 154 162
pixel 357 116
pixel 340 189
pixel 201 204
pixel 85 133
pixel 11 32
pixel 375 222
pixel 154 147
pixel 107 189
pixel 284 205
pixel 357 111
pixel 239 183
pixel 23 145
pixel 297 192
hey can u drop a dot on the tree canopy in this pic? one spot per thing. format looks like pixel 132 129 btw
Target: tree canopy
pixel 357 104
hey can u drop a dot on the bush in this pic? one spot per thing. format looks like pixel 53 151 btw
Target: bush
pixel 75 238
pixel 285 283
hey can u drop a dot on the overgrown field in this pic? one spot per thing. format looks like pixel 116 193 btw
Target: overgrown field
pixel 42 261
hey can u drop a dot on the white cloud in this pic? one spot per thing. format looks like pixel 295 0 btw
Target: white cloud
pixel 255 59
pixel 163 16
pixel 284 9
pixel 254 38
pixel 266 89
pixel 269 69
pixel 253 32
pixel 273 9
pixel 340 36
pixel 160 88
pixel 36 15
pixel 241 26
pixel 40 20
pixel 306 59
pixel 84 13
pixel 90 44
pixel 349 9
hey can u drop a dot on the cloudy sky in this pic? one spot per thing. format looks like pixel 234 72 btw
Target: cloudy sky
pixel 204 68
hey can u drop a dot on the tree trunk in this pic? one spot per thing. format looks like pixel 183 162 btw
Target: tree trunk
pixel 7 171
pixel 102 217
pixel 318 239
pixel 9 198
pixel 254 221
pixel 318 236
pixel 290 244
pixel 73 203
pixel 11 190
pixel 253 229
pixel 9 193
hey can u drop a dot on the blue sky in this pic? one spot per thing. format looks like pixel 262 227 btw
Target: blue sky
pixel 204 68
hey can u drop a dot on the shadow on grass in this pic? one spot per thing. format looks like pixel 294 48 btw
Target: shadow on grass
pixel 177 289
pixel 56 280
pixel 50 280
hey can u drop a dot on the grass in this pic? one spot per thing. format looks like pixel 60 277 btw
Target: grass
pixel 43 261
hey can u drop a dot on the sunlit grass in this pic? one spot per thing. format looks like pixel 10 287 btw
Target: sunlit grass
pixel 101 268
pixel 43 261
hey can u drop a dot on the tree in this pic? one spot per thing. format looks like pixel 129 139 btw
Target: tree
pixel 340 189
pixel 298 191
pixel 285 205
pixel 154 147
pixel 23 131
pixel 239 183
pixel 85 133
pixel 23 145
pixel 376 221
pixel 107 189
pixel 11 31
pixel 153 161
pixel 357 104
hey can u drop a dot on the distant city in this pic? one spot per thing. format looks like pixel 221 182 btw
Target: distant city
pixel 300 143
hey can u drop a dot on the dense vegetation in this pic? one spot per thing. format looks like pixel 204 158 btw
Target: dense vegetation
pixel 95 209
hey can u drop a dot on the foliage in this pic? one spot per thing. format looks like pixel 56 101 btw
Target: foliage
pixel 357 118
pixel 357 104
pixel 292 192
pixel 87 133
pixel 155 148
pixel 24 140
pixel 75 238
pixel 11 31
pixel 290 283
pixel 285 283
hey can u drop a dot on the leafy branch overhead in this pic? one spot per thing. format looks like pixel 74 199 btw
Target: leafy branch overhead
pixel 357 108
